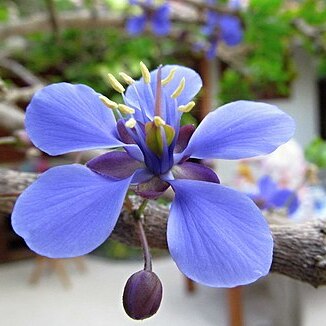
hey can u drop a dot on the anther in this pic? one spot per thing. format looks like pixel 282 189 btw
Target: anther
pixel 169 77
pixel 115 84
pixel 187 108
pixel 125 109
pixel 131 123
pixel 107 102
pixel 145 73
pixel 179 89
pixel 158 121
pixel 127 79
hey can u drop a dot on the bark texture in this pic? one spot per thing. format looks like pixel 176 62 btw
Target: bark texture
pixel 299 249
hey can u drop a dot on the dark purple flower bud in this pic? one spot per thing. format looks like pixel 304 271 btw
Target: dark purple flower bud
pixel 142 295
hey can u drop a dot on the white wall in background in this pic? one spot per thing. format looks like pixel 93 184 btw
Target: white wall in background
pixel 302 105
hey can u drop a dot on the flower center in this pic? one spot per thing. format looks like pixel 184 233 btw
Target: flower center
pixel 152 116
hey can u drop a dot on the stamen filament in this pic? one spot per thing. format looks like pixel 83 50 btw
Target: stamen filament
pixel 115 84
pixel 145 73
pixel 126 109
pixel 169 77
pixel 179 89
pixel 158 97
pixel 187 108
pixel 127 79
pixel 107 102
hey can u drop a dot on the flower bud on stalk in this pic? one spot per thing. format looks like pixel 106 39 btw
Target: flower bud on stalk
pixel 142 295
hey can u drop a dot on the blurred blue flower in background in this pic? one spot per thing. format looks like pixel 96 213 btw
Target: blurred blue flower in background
pixel 271 196
pixel 221 27
pixel 217 236
pixel 158 17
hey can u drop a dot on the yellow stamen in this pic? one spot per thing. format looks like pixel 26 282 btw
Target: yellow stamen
pixel 179 89
pixel 158 121
pixel 187 108
pixel 145 73
pixel 127 79
pixel 130 123
pixel 115 84
pixel 107 102
pixel 125 109
pixel 169 77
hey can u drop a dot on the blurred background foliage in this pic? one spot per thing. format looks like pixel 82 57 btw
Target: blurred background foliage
pixel 264 60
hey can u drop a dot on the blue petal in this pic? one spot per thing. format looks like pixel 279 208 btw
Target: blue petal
pixel 160 20
pixel 231 30
pixel 240 129
pixel 137 94
pixel 64 118
pixel 68 211
pixel 136 24
pixel 216 235
pixel 267 187
pixel 287 199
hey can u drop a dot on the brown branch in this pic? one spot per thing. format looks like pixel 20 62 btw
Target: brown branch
pixel 82 20
pixel 11 117
pixel 19 70
pixel 315 34
pixel 299 249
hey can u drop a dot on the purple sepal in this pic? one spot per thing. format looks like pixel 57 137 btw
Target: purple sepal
pixel 152 189
pixel 194 171
pixel 123 133
pixel 118 165
pixel 183 138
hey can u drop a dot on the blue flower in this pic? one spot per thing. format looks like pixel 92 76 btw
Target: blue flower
pixel 157 17
pixel 217 236
pixel 270 196
pixel 221 27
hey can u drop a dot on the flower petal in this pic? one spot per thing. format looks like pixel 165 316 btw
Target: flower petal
pixel 231 30
pixel 286 198
pixel 137 94
pixel 64 118
pixel 267 187
pixel 160 20
pixel 240 129
pixel 183 137
pixel 194 171
pixel 118 165
pixel 68 211
pixel 136 24
pixel 216 235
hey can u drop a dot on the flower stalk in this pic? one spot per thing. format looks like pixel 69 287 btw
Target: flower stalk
pixel 142 236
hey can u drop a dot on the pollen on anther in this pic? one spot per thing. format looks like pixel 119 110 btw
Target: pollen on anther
pixel 115 84
pixel 145 73
pixel 127 79
pixel 179 89
pixel 130 123
pixel 187 108
pixel 108 103
pixel 169 77
pixel 126 109
pixel 158 121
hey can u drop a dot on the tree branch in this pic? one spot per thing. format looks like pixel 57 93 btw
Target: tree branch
pixel 299 249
